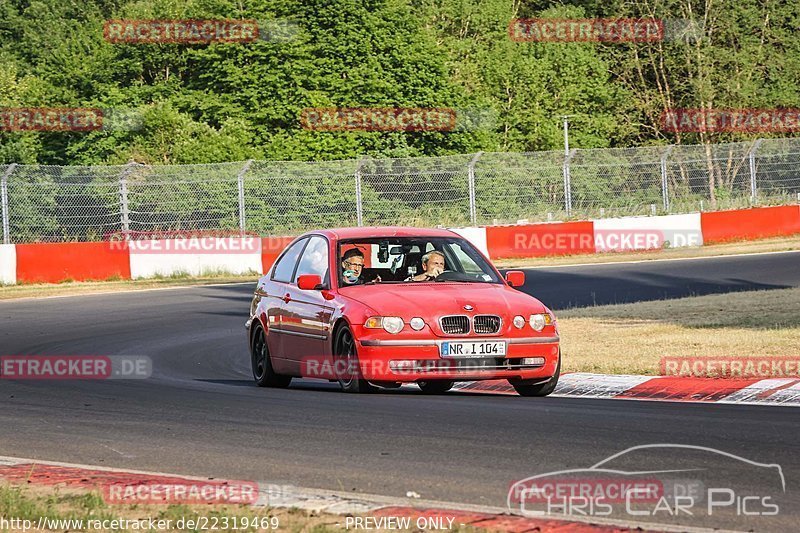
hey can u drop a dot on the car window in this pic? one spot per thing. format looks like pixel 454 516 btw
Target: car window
pixel 468 265
pixel 315 258
pixel 285 268
pixel 463 263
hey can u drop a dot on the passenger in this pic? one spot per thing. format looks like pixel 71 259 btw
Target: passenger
pixel 432 264
pixel 353 268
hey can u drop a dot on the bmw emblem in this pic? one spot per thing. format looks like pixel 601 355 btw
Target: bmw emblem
pixel 468 307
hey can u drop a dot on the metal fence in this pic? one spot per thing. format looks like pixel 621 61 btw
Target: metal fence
pixel 85 203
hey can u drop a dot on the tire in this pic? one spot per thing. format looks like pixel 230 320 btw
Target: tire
pixel 435 387
pixel 538 389
pixel 261 363
pixel 345 356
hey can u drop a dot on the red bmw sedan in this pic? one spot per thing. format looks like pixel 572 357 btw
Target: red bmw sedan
pixel 382 306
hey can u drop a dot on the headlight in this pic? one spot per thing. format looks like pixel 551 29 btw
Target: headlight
pixel 538 321
pixel 392 324
pixel 519 321
pixel 416 323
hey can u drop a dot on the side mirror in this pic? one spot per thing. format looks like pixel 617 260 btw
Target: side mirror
pixel 309 282
pixel 515 278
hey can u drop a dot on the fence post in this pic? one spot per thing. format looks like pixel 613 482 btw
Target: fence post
pixel 359 205
pixel 752 157
pixel 473 215
pixel 664 180
pixel 4 202
pixel 123 199
pixel 240 188
pixel 568 181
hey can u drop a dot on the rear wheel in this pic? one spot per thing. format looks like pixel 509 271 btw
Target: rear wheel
pixel 260 361
pixel 348 371
pixel 539 389
pixel 435 387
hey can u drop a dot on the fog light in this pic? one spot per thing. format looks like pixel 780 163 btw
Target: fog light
pixel 532 361
pixel 519 321
pixel 402 364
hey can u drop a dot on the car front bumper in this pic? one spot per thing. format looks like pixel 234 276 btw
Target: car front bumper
pixel 410 360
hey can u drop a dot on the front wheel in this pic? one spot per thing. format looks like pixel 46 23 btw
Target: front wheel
pixel 348 371
pixel 435 387
pixel 539 389
pixel 263 373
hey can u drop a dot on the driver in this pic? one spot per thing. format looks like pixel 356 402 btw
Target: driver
pixel 432 265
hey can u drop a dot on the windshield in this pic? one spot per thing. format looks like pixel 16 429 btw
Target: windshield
pixel 412 260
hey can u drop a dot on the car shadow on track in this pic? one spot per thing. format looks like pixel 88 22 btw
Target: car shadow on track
pixel 321 386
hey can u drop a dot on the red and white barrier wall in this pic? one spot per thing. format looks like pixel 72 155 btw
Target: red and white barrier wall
pixel 8 264
pixel 152 258
pixel 635 233
pixel 56 262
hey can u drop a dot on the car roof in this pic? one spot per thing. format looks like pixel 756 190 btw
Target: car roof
pixel 367 232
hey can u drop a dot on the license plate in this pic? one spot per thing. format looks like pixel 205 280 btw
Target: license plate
pixel 472 349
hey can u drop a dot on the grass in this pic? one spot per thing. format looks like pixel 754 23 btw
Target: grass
pixel 55 503
pixel 632 338
pixel 59 503
pixel 780 244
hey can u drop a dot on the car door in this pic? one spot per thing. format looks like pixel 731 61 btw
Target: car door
pixel 307 314
pixel 276 294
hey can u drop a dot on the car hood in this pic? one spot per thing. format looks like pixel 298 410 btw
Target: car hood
pixel 436 299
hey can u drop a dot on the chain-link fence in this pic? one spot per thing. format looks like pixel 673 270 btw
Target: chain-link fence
pixel 86 203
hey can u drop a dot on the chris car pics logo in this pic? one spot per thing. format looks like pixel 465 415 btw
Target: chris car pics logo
pixel 632 483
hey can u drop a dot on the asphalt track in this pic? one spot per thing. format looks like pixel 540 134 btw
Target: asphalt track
pixel 200 413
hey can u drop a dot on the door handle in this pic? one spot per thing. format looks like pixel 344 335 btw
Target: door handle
pixel 287 298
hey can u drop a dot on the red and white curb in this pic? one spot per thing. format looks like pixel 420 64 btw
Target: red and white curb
pixel 783 392
pixel 20 471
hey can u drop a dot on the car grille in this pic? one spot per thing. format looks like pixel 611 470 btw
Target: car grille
pixel 481 324
pixel 454 324
pixel 486 324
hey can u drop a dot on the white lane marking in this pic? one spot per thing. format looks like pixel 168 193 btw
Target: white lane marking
pixel 129 290
pixel 588 385
pixel 789 396
pixel 611 386
pixel 661 260
pixel 751 392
